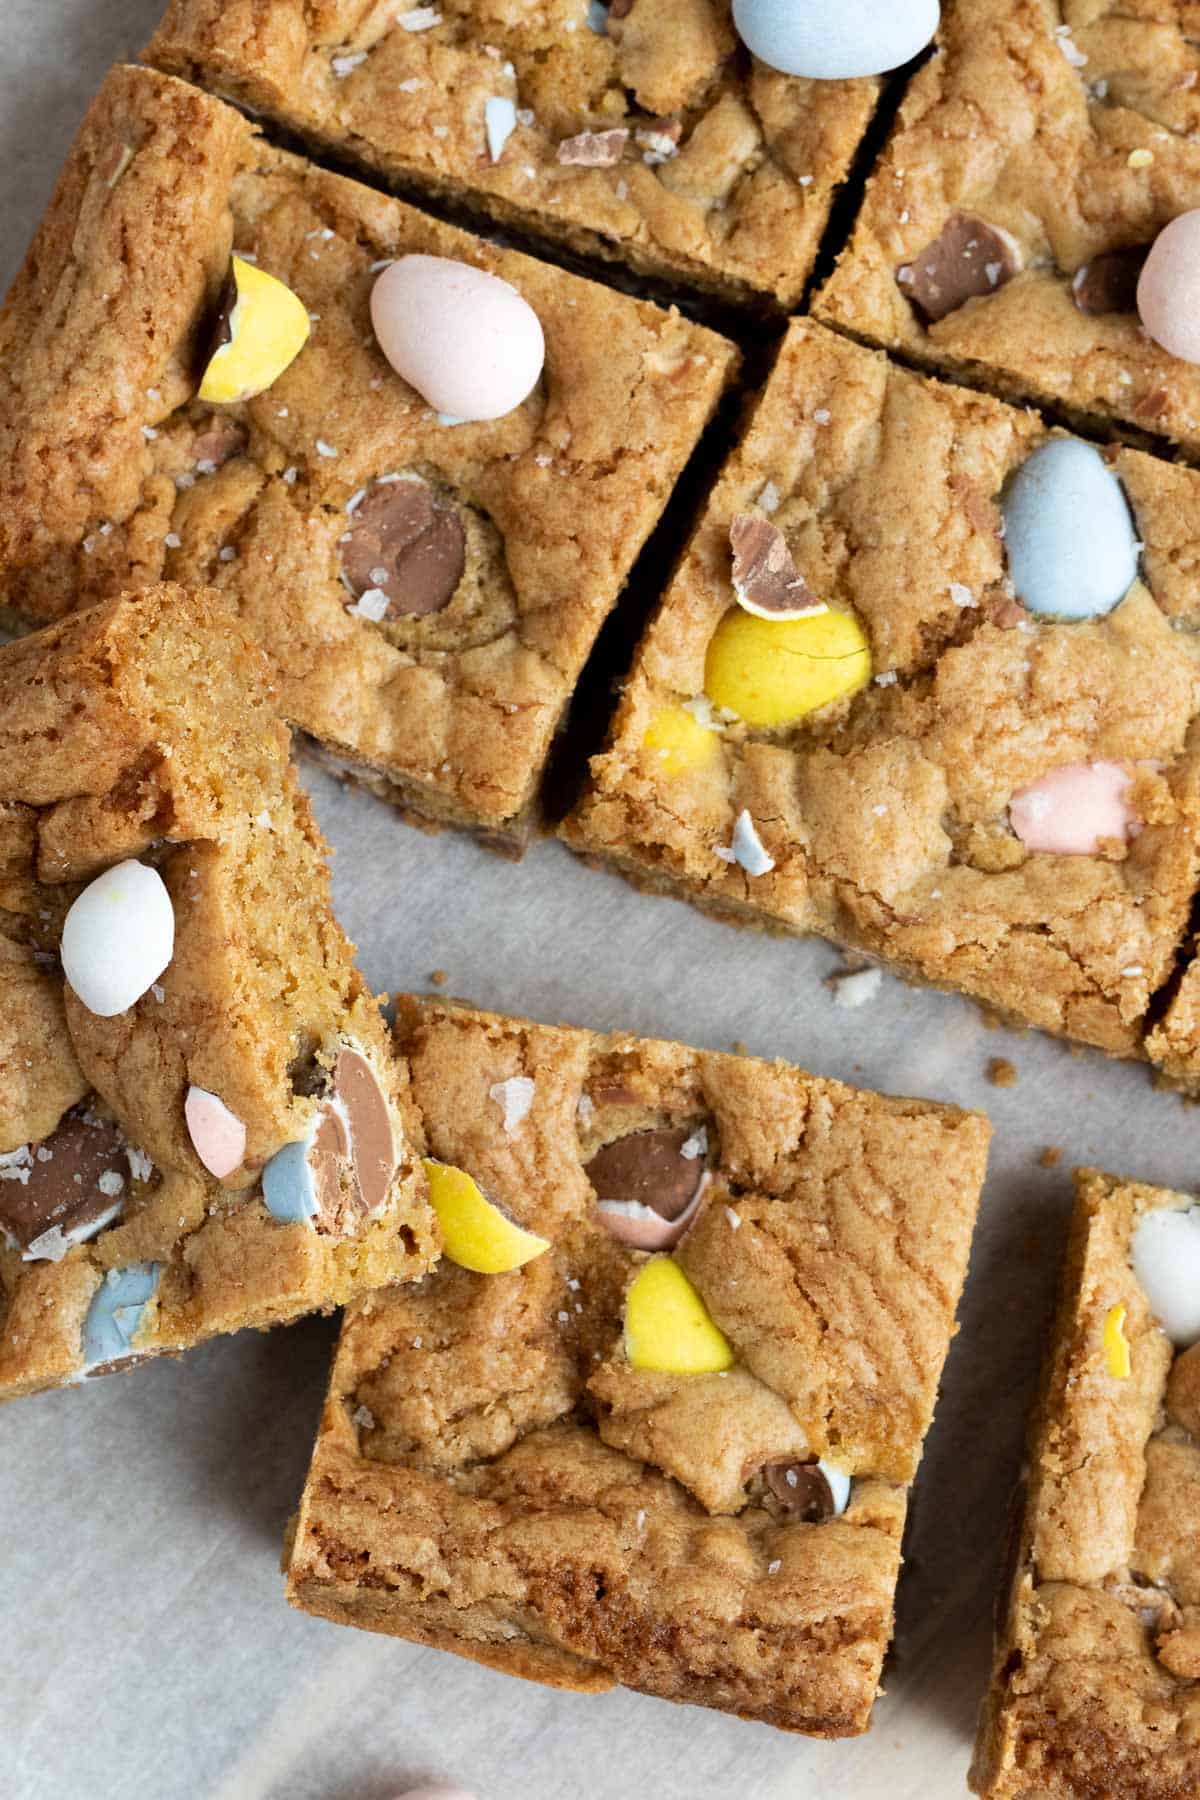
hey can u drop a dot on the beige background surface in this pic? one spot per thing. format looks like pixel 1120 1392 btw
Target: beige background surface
pixel 146 1647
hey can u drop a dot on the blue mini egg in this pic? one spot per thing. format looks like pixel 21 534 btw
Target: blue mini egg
pixel 289 1188
pixel 835 43
pixel 1070 536
pixel 116 1312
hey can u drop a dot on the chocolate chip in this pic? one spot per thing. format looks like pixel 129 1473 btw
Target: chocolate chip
pixel 802 1489
pixel 1109 283
pixel 765 578
pixel 648 1167
pixel 405 542
pixel 967 261
pixel 594 149
pixel 68 1185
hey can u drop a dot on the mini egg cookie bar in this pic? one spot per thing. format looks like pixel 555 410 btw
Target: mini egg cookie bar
pixel 420 466
pixel 203 1125
pixel 1095 1685
pixel 926 683
pixel 647 1423
pixel 1033 221
pixel 640 130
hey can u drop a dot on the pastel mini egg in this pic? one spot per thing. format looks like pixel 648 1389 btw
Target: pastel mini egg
pixel 1166 1260
pixel 1074 809
pixel 477 1234
pixel 118 937
pixel 1168 294
pixel 776 672
pixel 467 341
pixel 835 43
pixel 218 1135
pixel 1068 532
pixel 261 329
pixel 117 1310
pixel 668 1327
pixel 678 744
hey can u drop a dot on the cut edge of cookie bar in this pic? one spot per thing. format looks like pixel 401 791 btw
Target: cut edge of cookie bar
pixel 1097 1628
pixel 143 731
pixel 763 154
pixel 836 419
pixel 978 168
pixel 492 1476
pixel 450 715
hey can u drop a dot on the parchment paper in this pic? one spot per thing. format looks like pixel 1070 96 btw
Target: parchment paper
pixel 145 1648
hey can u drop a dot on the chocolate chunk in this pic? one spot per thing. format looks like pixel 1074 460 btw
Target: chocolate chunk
pixel 372 1143
pixel 969 260
pixel 648 1167
pixel 1109 283
pixel 594 149
pixel 802 1489
pixel 1004 612
pixel 222 331
pixel 765 578
pixel 405 542
pixel 69 1185
pixel 218 442
pixel 620 9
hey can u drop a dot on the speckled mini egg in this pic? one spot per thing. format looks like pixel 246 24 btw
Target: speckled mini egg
pixel 1068 532
pixel 1168 295
pixel 467 341
pixel 835 43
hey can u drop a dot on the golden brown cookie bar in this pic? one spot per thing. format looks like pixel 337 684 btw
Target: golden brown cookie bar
pixel 886 819
pixel 114 474
pixel 513 1465
pixel 225 1142
pixel 1037 156
pixel 641 131
pixel 1098 1647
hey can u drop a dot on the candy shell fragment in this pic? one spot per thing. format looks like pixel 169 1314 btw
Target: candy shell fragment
pixel 477 1234
pixel 218 1135
pixel 667 1325
pixel 262 328
pixel 116 1312
pixel 679 744
pixel 1116 1344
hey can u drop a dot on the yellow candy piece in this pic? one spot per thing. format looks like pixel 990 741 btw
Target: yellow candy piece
pixel 774 672
pixel 667 1325
pixel 1116 1345
pixel 678 743
pixel 268 328
pixel 477 1234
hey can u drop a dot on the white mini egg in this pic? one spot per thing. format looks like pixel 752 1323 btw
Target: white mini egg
pixel 1068 532
pixel 118 937
pixel 835 43
pixel 467 341
pixel 1166 1261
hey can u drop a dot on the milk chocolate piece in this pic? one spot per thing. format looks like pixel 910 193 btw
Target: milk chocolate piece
pixel 594 149
pixel 1109 283
pixel 219 440
pixel 967 261
pixel 802 1489
pixel 648 1167
pixel 69 1184
pixel 372 1143
pixel 765 578
pixel 405 542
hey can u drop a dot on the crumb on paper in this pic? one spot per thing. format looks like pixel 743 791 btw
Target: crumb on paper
pixel 438 977
pixel 853 987
pixel 1001 1073
pixel 1049 1156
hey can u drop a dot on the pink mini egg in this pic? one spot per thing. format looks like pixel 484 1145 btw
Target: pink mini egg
pixel 467 341
pixel 218 1135
pixel 1168 294
pixel 1074 808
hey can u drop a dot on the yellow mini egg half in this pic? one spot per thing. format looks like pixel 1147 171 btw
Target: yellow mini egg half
pixel 477 1234
pixel 668 1327
pixel 677 744
pixel 775 672
pixel 267 326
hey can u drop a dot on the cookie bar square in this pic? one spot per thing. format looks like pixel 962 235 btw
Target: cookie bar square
pixel 202 1123
pixel 991 798
pixel 1098 1647
pixel 641 131
pixel 671 1449
pixel 427 591
pixel 1036 158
